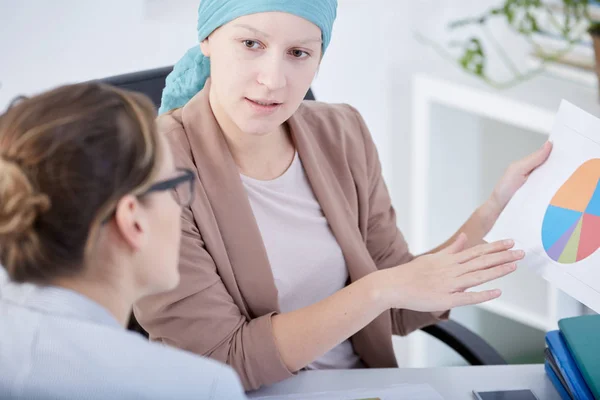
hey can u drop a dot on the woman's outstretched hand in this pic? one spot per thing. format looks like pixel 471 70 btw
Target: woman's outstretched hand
pixel 440 281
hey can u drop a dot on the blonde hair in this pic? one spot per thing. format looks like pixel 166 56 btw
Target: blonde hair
pixel 66 157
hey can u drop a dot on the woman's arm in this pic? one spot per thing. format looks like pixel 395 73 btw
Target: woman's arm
pixel 429 283
pixel 475 228
pixel 200 316
pixel 484 218
pixel 386 243
pixel 306 334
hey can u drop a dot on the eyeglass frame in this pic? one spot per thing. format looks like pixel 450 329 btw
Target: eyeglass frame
pixel 172 183
pixel 169 184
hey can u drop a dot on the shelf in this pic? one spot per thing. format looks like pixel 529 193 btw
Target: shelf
pixel 464 136
pixel 485 103
pixel 531 104
pixel 523 290
pixel 507 310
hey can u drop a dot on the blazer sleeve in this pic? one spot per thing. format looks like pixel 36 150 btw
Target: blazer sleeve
pixel 385 242
pixel 200 316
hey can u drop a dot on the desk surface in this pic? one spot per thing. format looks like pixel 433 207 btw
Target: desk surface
pixel 453 383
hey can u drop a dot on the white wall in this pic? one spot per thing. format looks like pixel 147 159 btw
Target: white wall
pixel 45 43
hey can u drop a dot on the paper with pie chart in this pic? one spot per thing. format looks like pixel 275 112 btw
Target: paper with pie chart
pixel 555 216
pixel 571 227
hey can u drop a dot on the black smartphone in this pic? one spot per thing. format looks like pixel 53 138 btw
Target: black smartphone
pixel 506 395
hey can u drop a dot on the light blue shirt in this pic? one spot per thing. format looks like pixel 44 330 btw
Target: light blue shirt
pixel 58 344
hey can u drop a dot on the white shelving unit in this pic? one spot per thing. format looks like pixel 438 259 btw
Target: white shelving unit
pixel 464 135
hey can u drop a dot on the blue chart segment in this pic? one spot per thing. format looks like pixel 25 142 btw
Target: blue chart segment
pixel 557 221
pixel 594 205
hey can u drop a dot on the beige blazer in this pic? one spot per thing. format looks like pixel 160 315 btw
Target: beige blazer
pixel 223 305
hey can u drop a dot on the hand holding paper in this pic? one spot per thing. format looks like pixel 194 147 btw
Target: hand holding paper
pixel 555 215
pixel 516 175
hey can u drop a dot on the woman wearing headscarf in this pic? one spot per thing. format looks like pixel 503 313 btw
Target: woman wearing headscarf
pixel 291 257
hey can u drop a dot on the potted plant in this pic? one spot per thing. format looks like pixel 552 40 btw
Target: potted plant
pixel 594 31
pixel 569 20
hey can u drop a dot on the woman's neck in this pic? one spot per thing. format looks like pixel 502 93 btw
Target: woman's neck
pixel 116 299
pixel 263 157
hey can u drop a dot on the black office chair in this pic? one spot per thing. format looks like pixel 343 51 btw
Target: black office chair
pixel 467 344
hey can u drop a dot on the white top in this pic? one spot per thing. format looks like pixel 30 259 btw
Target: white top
pixel 58 344
pixel 306 260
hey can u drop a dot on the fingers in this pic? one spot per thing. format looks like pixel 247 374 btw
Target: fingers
pixel 491 260
pixel 535 159
pixel 457 246
pixel 470 298
pixel 483 249
pixel 480 277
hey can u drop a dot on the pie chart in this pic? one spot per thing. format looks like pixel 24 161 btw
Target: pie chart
pixel 571 226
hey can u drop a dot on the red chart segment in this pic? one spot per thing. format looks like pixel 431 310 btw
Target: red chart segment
pixel 589 241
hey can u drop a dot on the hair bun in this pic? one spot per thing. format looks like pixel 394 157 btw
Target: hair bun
pixel 20 205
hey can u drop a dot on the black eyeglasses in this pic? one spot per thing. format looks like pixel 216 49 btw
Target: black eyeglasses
pixel 185 180
pixel 184 197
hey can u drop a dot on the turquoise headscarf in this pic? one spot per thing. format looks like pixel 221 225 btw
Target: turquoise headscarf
pixel 190 73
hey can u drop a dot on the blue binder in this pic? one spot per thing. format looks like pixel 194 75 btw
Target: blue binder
pixel 567 366
pixel 556 382
pixel 551 365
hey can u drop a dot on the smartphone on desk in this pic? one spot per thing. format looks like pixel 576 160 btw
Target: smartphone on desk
pixel 506 395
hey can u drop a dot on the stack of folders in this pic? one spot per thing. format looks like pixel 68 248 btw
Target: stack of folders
pixel 573 358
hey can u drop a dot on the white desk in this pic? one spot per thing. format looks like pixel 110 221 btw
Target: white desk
pixel 453 383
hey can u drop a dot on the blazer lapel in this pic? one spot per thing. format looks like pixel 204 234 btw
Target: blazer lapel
pixel 220 178
pixel 331 197
pixel 373 343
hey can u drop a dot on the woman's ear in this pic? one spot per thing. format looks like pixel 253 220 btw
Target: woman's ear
pixel 130 223
pixel 205 47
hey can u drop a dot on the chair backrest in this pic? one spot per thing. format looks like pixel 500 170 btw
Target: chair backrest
pixel 152 82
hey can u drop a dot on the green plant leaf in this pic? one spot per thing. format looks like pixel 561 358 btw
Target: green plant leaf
pixel 473 58
pixel 567 18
